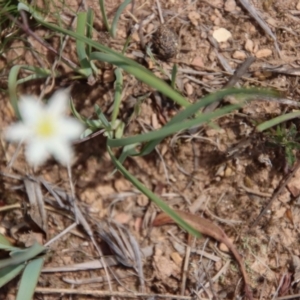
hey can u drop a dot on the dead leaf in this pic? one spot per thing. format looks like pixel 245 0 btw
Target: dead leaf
pixel 36 217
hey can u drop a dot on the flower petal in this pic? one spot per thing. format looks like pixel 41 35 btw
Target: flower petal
pixel 62 151
pixel 17 132
pixel 69 128
pixel 58 103
pixel 36 152
pixel 30 108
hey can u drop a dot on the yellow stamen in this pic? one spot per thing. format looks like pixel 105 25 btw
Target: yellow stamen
pixel 45 127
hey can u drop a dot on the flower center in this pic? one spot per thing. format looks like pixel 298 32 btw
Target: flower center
pixel 45 127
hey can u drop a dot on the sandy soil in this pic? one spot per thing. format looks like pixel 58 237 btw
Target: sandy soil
pixel 227 174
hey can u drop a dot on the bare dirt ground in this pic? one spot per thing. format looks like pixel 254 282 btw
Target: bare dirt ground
pixel 227 175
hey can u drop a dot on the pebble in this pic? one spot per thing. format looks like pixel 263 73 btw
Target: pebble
pixel 223 247
pixel 222 35
pixel 230 6
pixel 249 45
pixel 263 53
pixel 228 172
pixel 197 62
pixel 241 55
pixel 189 89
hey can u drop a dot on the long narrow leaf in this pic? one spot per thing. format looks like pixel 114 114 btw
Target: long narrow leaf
pixel 173 76
pixel 104 15
pixel 118 94
pixel 160 203
pixel 168 130
pixel 117 16
pixel 13 82
pixel 12 89
pixel 9 273
pixel 278 120
pixel 29 279
pixel 22 256
pixel 89 29
pixel 80 45
pixel 142 74
pixel 186 113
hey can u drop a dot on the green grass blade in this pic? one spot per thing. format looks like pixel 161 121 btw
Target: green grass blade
pixel 128 151
pixel 80 45
pixel 104 15
pixel 178 122
pixel 13 82
pixel 173 76
pixel 76 113
pixel 89 29
pixel 118 94
pixel 160 203
pixel 117 16
pixel 142 74
pixel 9 273
pixel 22 255
pixel 270 123
pixel 12 89
pixel 29 279
pixel 168 130
pixel 102 117
pixel 189 111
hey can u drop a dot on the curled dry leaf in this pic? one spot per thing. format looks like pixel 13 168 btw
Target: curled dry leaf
pixel 208 228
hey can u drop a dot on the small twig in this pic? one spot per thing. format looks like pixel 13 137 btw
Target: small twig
pixel 279 286
pixel 226 66
pixel 216 277
pixel 239 72
pixel 94 279
pixel 72 190
pixel 160 12
pixel 140 30
pixel 295 296
pixel 72 226
pixel 108 293
pixel 283 184
pixel 14 157
pixel 251 191
pixel 185 267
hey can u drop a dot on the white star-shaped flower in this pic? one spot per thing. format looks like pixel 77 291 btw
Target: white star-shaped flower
pixel 45 129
